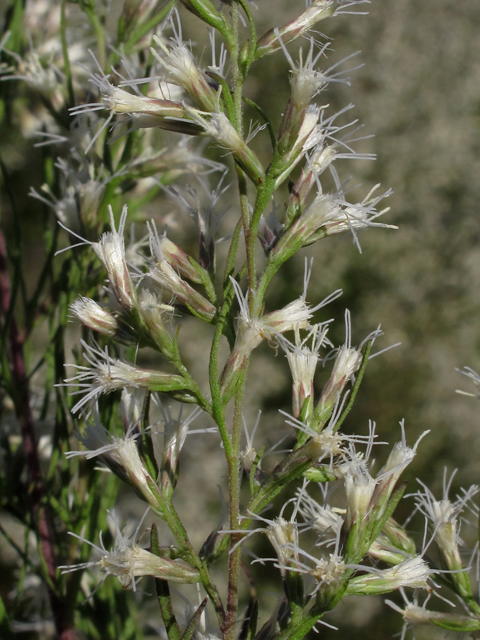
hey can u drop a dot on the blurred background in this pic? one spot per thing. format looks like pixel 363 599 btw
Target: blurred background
pixel 418 92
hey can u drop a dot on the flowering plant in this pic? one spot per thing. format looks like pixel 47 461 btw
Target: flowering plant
pixel 106 111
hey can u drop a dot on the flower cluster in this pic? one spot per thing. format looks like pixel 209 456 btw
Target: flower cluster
pixel 125 115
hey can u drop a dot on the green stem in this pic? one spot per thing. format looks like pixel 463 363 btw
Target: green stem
pixel 298 629
pixel 234 477
pixel 167 512
pixel 99 34
pixel 66 59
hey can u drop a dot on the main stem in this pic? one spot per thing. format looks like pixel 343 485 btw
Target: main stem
pixel 234 557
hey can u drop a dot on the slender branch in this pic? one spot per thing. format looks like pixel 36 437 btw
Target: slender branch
pixel 19 391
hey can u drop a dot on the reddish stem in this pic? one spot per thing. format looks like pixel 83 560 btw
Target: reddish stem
pixel 21 398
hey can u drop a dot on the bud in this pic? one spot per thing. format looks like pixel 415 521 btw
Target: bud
pixel 393 544
pixel 111 251
pixel 131 406
pixel 219 127
pixel 283 536
pixel 206 11
pixel 152 311
pixel 269 229
pixel 94 316
pixel 214 546
pixel 300 134
pixel 134 14
pixel 346 365
pixel 270 42
pixel 174 435
pixel 165 276
pixel 178 259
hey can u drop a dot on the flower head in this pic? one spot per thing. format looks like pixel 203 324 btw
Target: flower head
pixel 127 561
pixel 182 69
pixel 120 454
pixel 111 251
pixel 107 374
pixel 412 572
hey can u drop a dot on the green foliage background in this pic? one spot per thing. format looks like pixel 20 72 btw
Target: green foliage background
pixel 419 93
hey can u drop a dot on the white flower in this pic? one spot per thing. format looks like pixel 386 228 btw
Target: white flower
pixel 443 516
pixel 182 68
pixel 117 452
pixel 398 460
pixel 322 519
pixel 302 360
pixel 127 561
pixel 413 573
pixel 359 488
pixel 111 251
pixel 108 374
pixel 283 536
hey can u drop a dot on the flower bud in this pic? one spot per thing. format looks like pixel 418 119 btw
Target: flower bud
pixel 95 317
pixel 393 544
pixel 219 127
pixel 346 365
pixel 152 311
pixel 165 276
pixel 174 435
pixel 111 251
pixel 214 546
pixel 300 133
pixel 178 259
pixel 269 42
pixel 283 536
